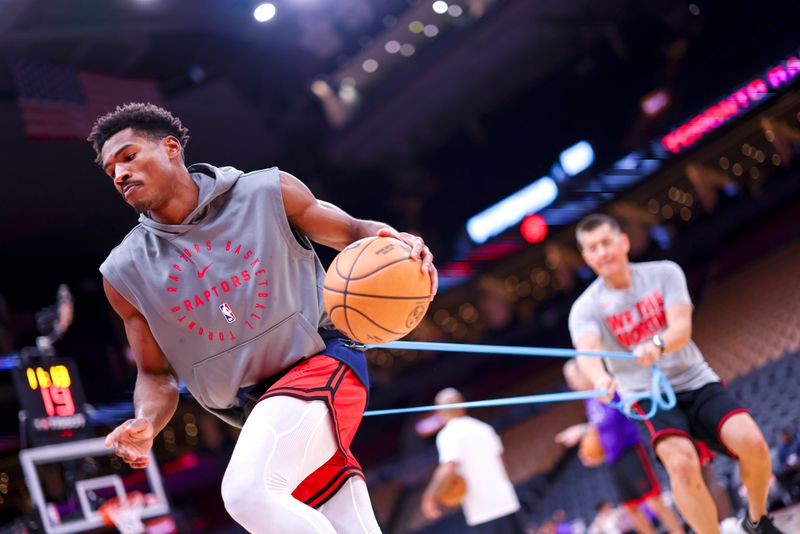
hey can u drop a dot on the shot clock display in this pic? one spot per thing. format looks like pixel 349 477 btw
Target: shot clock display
pixel 52 399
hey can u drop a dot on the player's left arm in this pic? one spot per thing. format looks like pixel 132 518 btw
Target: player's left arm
pixel 678 313
pixel 679 327
pixel 331 226
pixel 430 508
pixel 677 334
pixel 571 436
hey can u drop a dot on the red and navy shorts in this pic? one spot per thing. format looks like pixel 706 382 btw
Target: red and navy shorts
pixel 634 476
pixel 698 416
pixel 328 380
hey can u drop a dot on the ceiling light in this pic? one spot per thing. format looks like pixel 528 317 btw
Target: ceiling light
pixel 264 12
pixel 392 47
pixel 455 11
pixel 440 7
pixel 416 26
pixel 407 50
pixel 369 65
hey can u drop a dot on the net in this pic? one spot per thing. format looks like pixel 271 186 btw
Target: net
pixel 124 513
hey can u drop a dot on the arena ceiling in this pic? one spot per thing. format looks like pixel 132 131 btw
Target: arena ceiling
pixel 477 109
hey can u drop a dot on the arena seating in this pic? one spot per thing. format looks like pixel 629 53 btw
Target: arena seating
pixel 771 393
pixel 752 317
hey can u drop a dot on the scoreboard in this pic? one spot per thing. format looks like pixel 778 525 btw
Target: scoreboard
pixel 52 400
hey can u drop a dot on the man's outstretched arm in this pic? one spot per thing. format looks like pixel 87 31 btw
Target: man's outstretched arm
pixel 430 508
pixel 155 396
pixel 329 225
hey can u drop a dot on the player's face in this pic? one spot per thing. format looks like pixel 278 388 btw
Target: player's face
pixel 140 168
pixel 605 250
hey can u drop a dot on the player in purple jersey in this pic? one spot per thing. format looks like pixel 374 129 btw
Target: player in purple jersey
pixel 625 456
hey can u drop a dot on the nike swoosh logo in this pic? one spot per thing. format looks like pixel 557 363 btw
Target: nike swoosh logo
pixel 201 274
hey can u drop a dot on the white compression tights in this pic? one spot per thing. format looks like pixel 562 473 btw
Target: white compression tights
pixel 283 441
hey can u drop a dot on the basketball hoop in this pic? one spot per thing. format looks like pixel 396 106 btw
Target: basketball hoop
pixel 124 512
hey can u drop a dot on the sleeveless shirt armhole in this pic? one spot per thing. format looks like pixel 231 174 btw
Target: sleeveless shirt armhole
pixel 110 272
pixel 283 219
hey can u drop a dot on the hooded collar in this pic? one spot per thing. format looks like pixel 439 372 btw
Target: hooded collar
pixel 212 183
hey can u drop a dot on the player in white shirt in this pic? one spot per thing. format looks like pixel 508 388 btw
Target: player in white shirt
pixel 473 450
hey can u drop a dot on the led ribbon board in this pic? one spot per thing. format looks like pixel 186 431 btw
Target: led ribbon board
pixel 732 106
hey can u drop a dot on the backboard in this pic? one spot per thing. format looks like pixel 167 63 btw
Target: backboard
pixel 68 483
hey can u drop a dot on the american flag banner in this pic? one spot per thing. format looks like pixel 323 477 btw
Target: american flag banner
pixel 58 102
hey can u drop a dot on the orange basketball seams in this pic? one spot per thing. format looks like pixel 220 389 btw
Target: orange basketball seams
pixel 374 292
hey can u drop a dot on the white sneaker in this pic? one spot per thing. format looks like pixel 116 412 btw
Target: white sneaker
pixel 730 525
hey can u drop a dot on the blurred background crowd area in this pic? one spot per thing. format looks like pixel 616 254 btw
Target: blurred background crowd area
pixel 425 115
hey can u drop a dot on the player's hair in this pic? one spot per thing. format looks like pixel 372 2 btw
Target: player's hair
pixel 148 120
pixel 447 393
pixel 595 220
pixel 600 505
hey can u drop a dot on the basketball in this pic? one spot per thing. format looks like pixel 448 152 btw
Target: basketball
pixel 451 491
pixel 374 292
pixel 590 447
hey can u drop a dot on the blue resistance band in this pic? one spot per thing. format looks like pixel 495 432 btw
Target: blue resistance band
pixel 499 349
pixel 661 395
pixel 527 399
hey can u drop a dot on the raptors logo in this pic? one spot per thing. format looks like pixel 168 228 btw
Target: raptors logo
pixel 206 273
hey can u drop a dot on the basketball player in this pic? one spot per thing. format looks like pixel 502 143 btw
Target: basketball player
pixel 631 470
pixel 219 285
pixel 645 308
pixel 473 450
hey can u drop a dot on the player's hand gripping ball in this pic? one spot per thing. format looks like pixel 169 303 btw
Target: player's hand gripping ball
pixel 374 292
pixel 451 491
pixel 590 449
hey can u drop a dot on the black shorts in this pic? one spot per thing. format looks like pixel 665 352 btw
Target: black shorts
pixel 508 524
pixel 634 476
pixel 698 415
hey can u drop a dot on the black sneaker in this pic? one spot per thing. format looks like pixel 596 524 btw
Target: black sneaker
pixel 764 526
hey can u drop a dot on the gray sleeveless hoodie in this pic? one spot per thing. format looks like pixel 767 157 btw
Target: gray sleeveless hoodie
pixel 230 294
